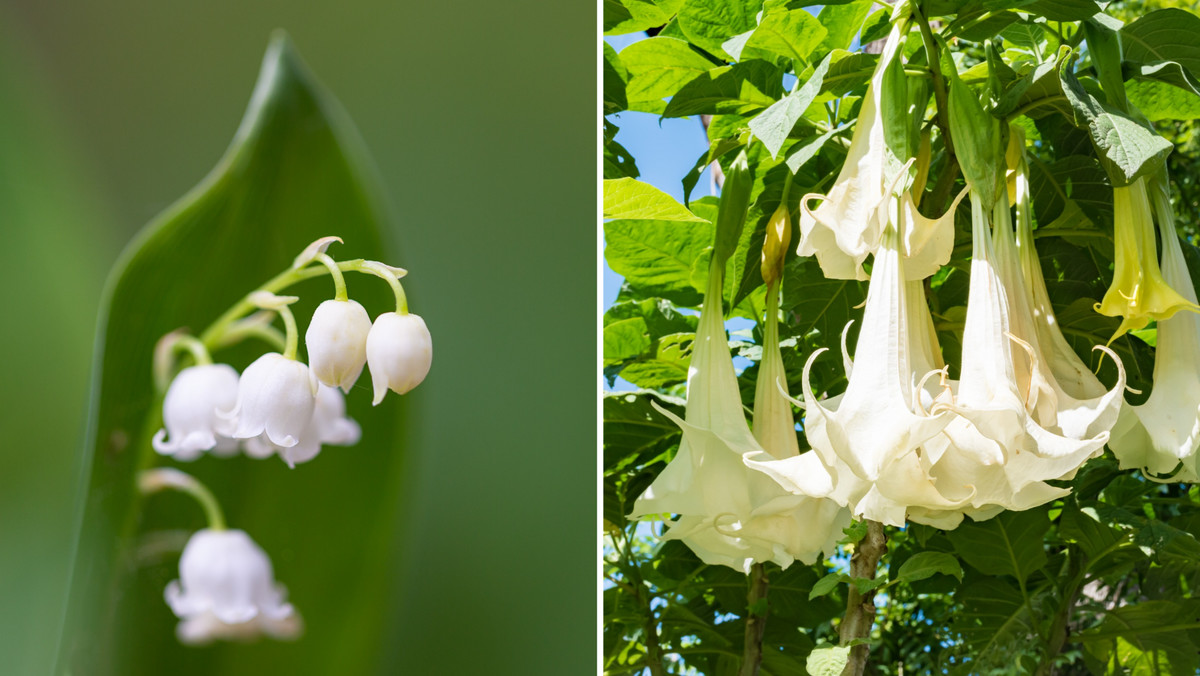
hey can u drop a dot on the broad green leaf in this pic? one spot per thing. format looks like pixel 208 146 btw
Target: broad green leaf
pixel 822 305
pixel 625 339
pixel 631 16
pixel 986 28
pixel 774 124
pixel 708 23
pixel 1158 100
pixel 658 67
pixel 1164 35
pixel 1009 544
pixel 618 163
pixel 1064 10
pixel 792 35
pixel 827 660
pixel 1037 93
pixel 738 89
pixel 633 427
pixel 656 257
pixel 1152 637
pixel 628 199
pixel 1074 178
pixel 802 153
pixel 842 23
pixel 826 585
pixel 615 76
pixel 995 623
pixel 296 171
pixel 1127 149
pixel 848 71
pixel 924 565
pixel 1025 34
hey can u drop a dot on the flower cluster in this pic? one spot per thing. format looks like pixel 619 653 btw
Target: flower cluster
pixel 278 405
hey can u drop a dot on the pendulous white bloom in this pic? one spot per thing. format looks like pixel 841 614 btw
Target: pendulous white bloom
pixel 190 411
pixel 399 353
pixel 275 397
pixel 729 513
pixel 1165 430
pixel 227 590
pixel 328 425
pixel 337 342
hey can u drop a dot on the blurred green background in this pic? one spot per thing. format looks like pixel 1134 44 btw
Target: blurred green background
pixel 480 119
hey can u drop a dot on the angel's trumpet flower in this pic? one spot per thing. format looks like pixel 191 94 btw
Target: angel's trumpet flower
pixel 729 513
pixel 1165 430
pixel 1138 292
pixel 847 225
pixel 997 450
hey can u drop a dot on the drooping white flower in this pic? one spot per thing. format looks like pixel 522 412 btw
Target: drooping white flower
pixel 190 411
pixel 1165 430
pixel 328 425
pixel 1004 442
pixel 275 397
pixel 399 353
pixel 336 340
pixel 227 590
pixel 729 513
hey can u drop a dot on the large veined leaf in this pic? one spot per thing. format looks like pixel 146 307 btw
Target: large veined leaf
pixel 294 172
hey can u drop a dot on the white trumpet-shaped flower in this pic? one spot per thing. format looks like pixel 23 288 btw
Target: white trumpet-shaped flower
pixel 227 590
pixel 337 342
pixel 328 426
pixel 1002 446
pixel 275 397
pixel 1165 430
pixel 190 409
pixel 399 353
pixel 730 514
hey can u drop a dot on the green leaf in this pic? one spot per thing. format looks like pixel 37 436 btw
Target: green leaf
pixel 1074 178
pixel 709 23
pixel 295 171
pixel 1026 35
pixel 618 163
pixel 658 67
pixel 669 366
pixel 927 564
pixel 802 153
pixel 742 88
pixel 827 660
pixel 995 623
pixel 615 76
pixel 848 71
pixel 842 23
pixel 628 199
pixel 656 257
pixel 631 16
pixel 821 305
pixel 1128 150
pixel 1009 544
pixel 1164 35
pixel 625 339
pixel 1163 91
pixel 826 585
pixel 1063 10
pixel 1152 637
pixel 633 427
pixel 792 35
pixel 774 124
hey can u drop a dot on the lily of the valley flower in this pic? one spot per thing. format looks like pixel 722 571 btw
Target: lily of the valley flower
pixel 1138 292
pixel 730 514
pixel 399 353
pixel 337 342
pixel 1165 430
pixel 328 426
pixel 190 412
pixel 275 397
pixel 227 590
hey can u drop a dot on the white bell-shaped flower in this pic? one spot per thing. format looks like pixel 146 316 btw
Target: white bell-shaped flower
pixel 399 353
pixel 1165 430
pixel 329 425
pixel 336 340
pixel 190 411
pixel 227 590
pixel 275 397
pixel 729 513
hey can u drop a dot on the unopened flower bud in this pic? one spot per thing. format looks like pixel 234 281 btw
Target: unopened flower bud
pixel 337 342
pixel 779 236
pixel 399 353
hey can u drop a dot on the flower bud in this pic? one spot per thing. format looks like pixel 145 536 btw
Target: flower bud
pixel 399 353
pixel 275 396
pixel 337 342
pixel 190 411
pixel 779 235
pixel 226 589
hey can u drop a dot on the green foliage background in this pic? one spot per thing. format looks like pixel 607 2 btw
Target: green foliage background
pixel 112 112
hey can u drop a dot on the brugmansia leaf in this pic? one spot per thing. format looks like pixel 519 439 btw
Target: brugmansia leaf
pixel 658 67
pixel 1010 544
pixel 775 123
pixel 708 23
pixel 294 172
pixel 615 76
pixel 827 660
pixel 923 565
pixel 1164 35
pixel 738 89
pixel 1152 637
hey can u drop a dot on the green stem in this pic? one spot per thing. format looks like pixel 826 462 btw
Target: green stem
pixel 339 282
pixel 291 334
pixel 166 478
pixel 945 183
pixel 373 268
pixel 756 622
